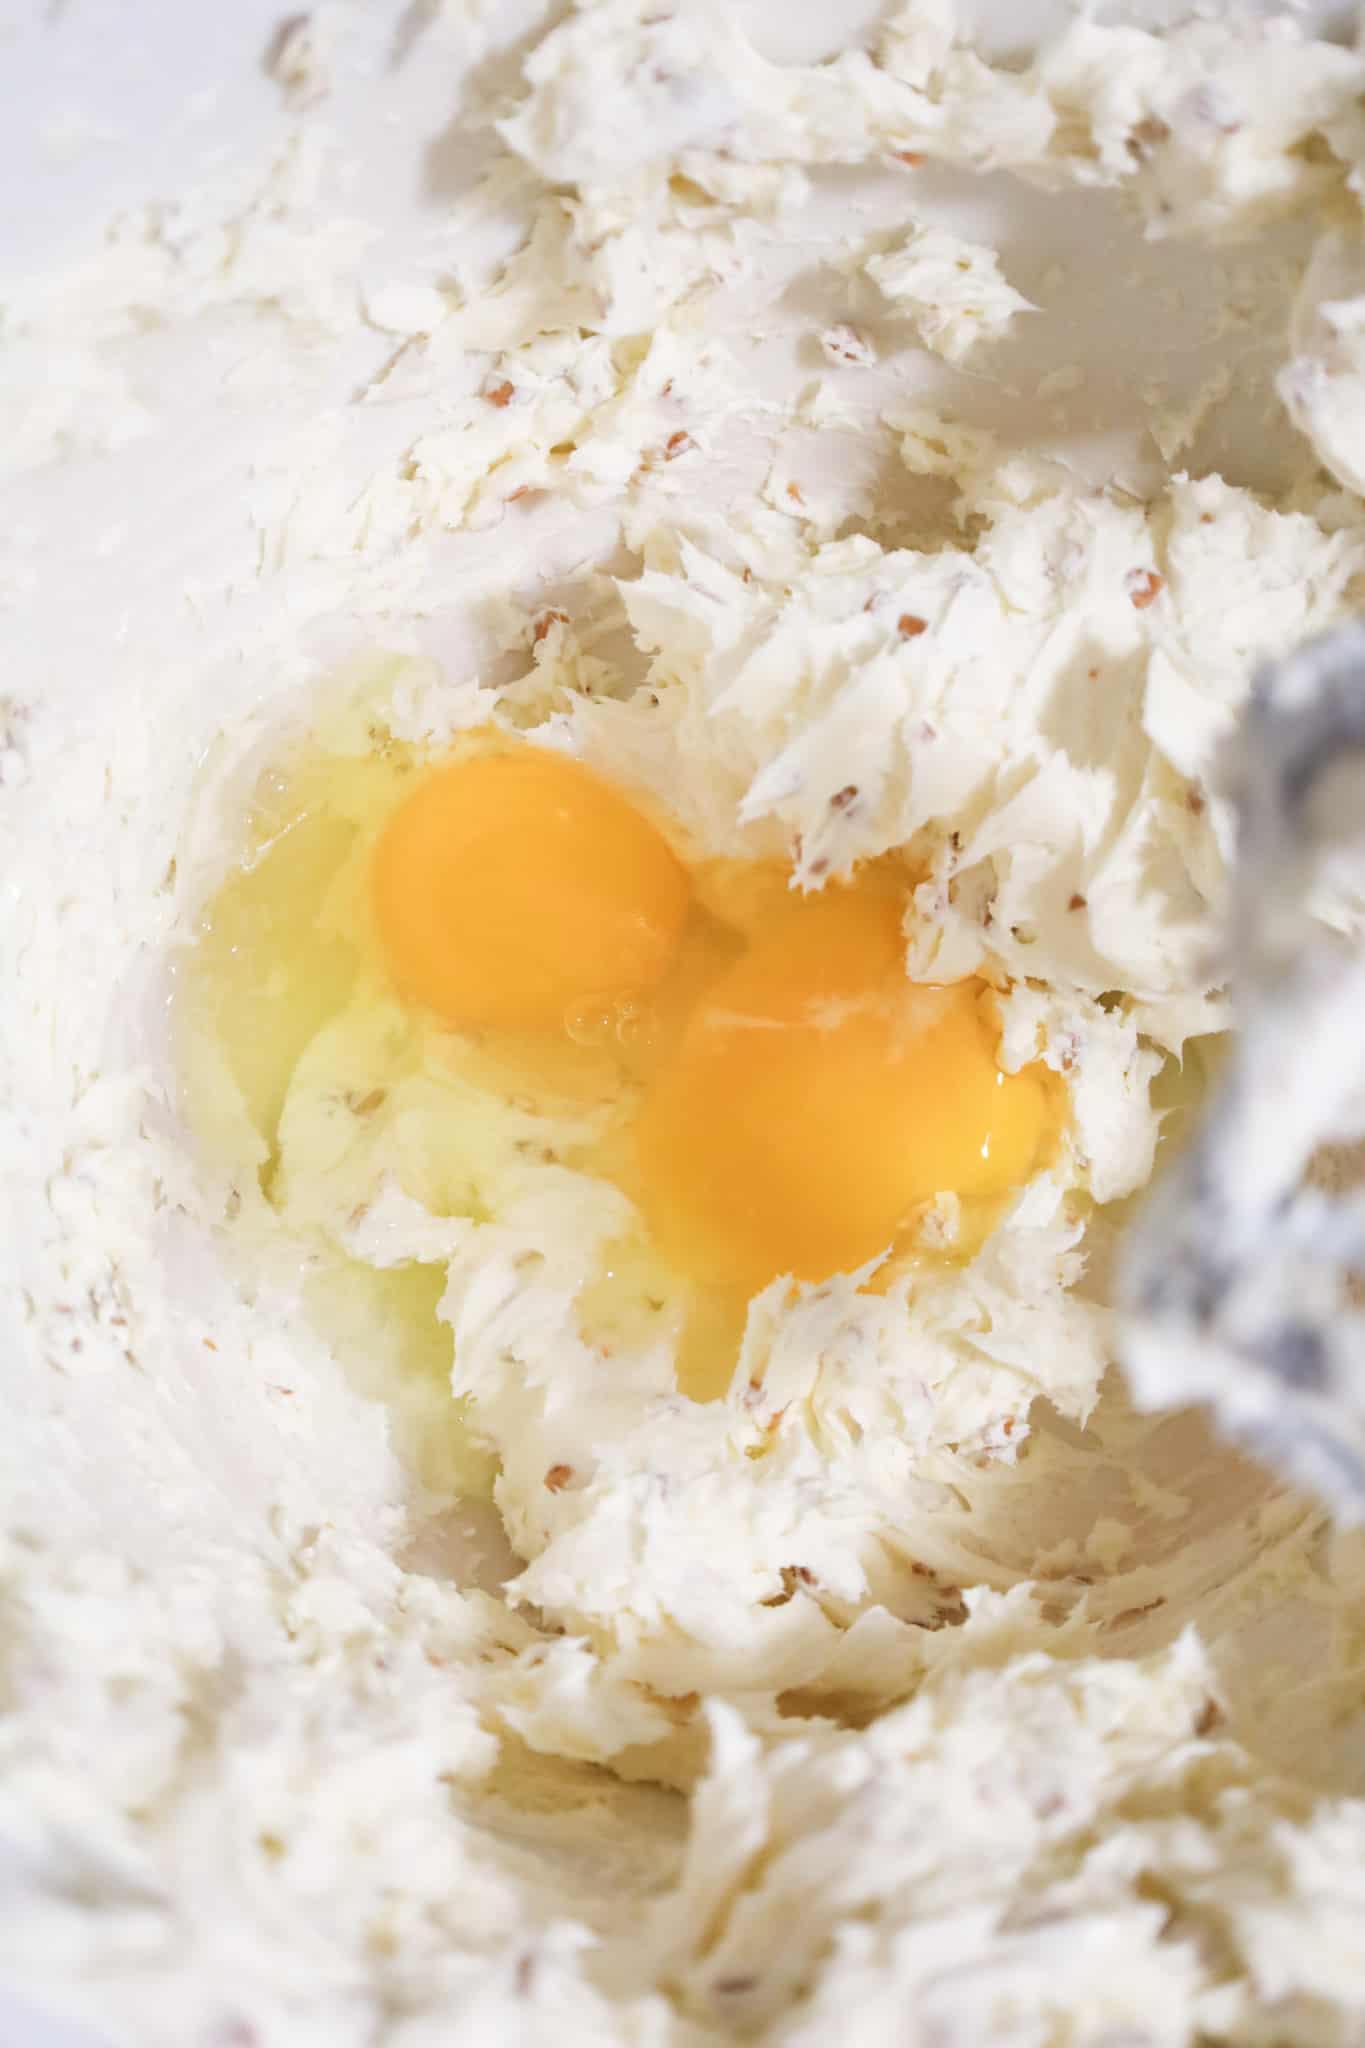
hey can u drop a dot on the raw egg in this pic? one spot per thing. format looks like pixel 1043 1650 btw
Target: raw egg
pixel 512 888
pixel 752 1067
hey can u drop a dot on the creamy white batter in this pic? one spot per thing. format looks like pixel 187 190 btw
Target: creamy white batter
pixel 915 1689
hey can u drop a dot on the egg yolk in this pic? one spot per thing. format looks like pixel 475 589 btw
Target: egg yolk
pixel 818 1095
pixel 512 887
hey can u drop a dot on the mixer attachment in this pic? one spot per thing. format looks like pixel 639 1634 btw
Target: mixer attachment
pixel 1243 1280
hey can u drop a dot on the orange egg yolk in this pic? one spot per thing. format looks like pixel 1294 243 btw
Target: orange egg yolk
pixel 818 1096
pixel 511 888
pixel 805 1097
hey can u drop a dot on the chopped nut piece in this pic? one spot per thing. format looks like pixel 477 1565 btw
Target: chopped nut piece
pixel 844 344
pixel 1211 1716
pixel 793 1577
pixel 1145 135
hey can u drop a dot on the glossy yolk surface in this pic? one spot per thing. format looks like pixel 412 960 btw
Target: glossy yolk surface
pixel 818 1095
pixel 511 888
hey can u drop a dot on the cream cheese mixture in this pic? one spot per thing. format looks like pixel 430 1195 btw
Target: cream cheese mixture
pixel 395 1650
